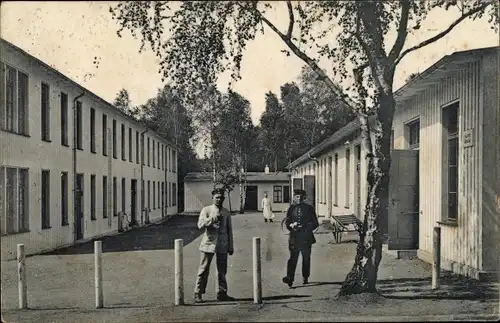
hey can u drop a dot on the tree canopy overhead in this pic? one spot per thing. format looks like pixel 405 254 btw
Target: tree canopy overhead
pixel 197 41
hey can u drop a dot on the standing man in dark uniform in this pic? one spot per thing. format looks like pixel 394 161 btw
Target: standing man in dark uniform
pixel 301 221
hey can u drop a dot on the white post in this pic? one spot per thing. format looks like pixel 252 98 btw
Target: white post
pixel 99 296
pixel 21 277
pixel 436 263
pixel 257 282
pixel 179 275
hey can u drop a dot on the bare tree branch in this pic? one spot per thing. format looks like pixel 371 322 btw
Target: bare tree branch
pixel 292 20
pixel 314 66
pixel 402 31
pixel 444 32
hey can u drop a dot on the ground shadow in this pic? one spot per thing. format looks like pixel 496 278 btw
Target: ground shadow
pixel 155 237
pixel 452 286
pixel 268 300
pixel 311 284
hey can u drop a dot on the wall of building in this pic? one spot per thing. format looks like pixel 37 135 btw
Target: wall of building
pixel 490 136
pixel 461 242
pixel 197 194
pixel 29 151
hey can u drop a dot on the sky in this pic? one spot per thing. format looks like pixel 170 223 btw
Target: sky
pixel 79 39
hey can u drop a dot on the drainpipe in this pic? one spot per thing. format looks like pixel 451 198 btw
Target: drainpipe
pixel 144 215
pixel 75 192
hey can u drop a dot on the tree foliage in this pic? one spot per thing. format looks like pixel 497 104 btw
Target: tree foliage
pixel 206 39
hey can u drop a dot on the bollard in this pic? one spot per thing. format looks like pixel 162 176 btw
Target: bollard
pixel 21 277
pixel 436 263
pixel 257 279
pixel 99 296
pixel 179 275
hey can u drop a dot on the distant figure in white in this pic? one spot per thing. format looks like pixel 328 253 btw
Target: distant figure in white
pixel 267 209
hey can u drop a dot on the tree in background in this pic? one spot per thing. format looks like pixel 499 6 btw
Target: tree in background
pixel 272 127
pixel 123 103
pixel 208 38
pixel 165 115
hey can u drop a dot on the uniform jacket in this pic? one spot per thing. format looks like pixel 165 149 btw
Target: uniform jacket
pixel 304 235
pixel 216 239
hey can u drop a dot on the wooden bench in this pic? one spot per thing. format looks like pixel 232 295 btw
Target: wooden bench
pixel 342 223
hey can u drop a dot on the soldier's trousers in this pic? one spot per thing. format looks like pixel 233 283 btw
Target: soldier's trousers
pixel 204 269
pixel 294 257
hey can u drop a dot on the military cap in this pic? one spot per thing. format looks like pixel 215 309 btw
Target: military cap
pixel 299 191
pixel 218 191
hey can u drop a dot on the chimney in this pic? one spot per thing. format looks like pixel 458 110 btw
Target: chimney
pixel 266 170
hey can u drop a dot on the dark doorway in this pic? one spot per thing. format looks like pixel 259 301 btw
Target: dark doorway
pixel 79 207
pixel 251 200
pixel 357 187
pixel 133 202
pixel 310 188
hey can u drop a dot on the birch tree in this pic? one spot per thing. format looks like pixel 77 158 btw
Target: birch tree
pixel 197 41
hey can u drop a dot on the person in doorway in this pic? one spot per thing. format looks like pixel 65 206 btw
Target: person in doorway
pixel 301 221
pixel 217 240
pixel 267 209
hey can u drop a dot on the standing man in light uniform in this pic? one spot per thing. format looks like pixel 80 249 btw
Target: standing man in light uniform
pixel 217 240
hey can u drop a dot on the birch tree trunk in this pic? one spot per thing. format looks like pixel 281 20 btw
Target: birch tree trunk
pixel 376 139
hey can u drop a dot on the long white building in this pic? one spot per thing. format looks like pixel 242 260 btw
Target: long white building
pixel 71 164
pixel 445 168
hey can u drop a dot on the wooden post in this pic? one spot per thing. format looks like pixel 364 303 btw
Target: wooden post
pixel 99 295
pixel 436 263
pixel 21 277
pixel 257 282
pixel 179 275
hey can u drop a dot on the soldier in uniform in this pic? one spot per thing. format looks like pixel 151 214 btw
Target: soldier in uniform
pixel 301 221
pixel 217 240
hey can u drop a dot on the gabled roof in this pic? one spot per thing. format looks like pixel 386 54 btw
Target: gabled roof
pixel 432 75
pixel 4 42
pixel 250 177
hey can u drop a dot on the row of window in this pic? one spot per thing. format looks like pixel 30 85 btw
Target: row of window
pixel 14 92
pixel 281 194
pixel 15 216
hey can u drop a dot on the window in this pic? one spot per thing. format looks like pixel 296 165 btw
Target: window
pixel 114 138
pixel 162 196
pixel 124 197
pixel 143 198
pixel 158 155
pixel 92 130
pixel 169 194
pixel 162 157
pixel 174 161
pixel 123 142
pixel 45 113
pixel 137 158
pixel 14 96
pixel 115 197
pixel 45 200
pixel 148 151
pixel 143 151
pixel 277 194
pixel 154 195
pixel 79 132
pixel 450 116
pixel 64 119
pixel 392 139
pixel 92 197
pixel 64 198
pixel 154 157
pixel 336 182
pixel 104 135
pixel 159 193
pixel 174 194
pixel 104 197
pixel 130 151
pixel 286 194
pixel 169 161
pixel 15 215
pixel 347 176
pixel 413 130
